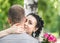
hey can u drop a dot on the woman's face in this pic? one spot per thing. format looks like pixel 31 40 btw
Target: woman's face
pixel 30 24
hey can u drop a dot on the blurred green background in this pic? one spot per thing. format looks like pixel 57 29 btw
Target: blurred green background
pixel 47 9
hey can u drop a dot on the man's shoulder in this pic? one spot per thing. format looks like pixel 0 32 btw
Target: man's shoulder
pixel 19 37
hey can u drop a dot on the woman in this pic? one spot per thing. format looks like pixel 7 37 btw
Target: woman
pixel 33 25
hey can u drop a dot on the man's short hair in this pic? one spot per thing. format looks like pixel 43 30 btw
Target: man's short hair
pixel 16 13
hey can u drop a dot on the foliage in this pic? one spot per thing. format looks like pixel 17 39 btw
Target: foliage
pixel 48 10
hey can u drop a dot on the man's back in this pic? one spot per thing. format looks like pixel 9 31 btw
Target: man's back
pixel 18 38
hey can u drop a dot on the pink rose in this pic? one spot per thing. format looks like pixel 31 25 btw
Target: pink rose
pixel 46 35
pixel 51 38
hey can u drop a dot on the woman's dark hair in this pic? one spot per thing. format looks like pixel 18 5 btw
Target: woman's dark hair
pixel 39 24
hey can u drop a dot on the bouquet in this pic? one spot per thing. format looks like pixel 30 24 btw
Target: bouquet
pixel 48 38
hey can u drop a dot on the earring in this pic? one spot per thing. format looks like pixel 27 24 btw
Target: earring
pixel 34 34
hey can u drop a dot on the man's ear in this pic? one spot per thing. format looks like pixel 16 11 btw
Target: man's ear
pixel 9 21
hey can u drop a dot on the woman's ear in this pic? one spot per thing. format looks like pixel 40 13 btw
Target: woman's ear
pixel 35 29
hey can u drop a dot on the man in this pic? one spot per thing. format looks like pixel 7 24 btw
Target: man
pixel 16 15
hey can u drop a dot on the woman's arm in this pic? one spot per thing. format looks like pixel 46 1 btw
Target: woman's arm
pixel 4 32
pixel 13 29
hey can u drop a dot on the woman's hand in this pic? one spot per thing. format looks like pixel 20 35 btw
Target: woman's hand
pixel 16 28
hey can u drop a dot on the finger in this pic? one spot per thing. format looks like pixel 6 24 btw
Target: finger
pixel 20 31
pixel 17 24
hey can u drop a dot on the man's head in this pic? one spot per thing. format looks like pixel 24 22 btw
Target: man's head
pixel 16 14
